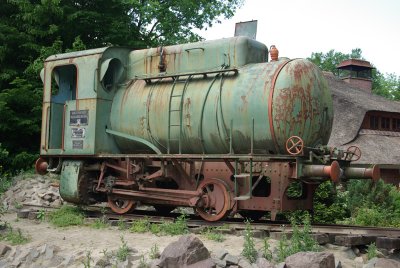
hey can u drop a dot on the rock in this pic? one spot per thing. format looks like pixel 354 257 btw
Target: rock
pixel 49 253
pixel 244 263
pixel 207 263
pixel 310 260
pixel 4 249
pixel 231 259
pixel 356 251
pixel 359 260
pixel 47 197
pixel 338 264
pixel 264 263
pixel 56 203
pixel 280 265
pixel 379 262
pixel 219 262
pixel 186 251
pixel 220 253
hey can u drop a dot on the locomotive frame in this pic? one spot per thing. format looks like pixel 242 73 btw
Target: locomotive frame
pixel 101 160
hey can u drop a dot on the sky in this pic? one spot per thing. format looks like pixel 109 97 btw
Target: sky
pixel 298 28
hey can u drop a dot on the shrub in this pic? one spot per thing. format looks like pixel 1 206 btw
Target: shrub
pixel 140 226
pixel 214 234
pixel 14 237
pixel 372 251
pixel 123 250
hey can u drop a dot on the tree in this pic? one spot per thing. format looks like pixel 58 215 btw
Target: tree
pixel 32 30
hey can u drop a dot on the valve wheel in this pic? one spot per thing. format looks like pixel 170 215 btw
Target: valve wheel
pixel 217 200
pixel 353 153
pixel 294 145
pixel 119 205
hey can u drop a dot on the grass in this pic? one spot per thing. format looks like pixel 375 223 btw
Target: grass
pixel 214 234
pixel 372 251
pixel 178 227
pixel 14 237
pixel 99 223
pixel 67 216
pixel 154 252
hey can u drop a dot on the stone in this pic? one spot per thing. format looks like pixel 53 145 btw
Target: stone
pixel 56 203
pixel 49 253
pixel 356 251
pixel 379 262
pixel 47 197
pixel 4 249
pixel 186 251
pixel 220 253
pixel 244 263
pixel 207 263
pixel 338 264
pixel 231 259
pixel 263 263
pixel 32 215
pixel 219 262
pixel 280 265
pixel 310 260
pixel 359 260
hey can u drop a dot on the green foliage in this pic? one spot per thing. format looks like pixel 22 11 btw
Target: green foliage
pixel 330 205
pixel 266 252
pixel 67 216
pixel 213 233
pixel 123 250
pixel 373 204
pixel 122 224
pixel 14 237
pixel 143 263
pixel 301 240
pixel 140 226
pixel 372 251
pixel 99 223
pixel 87 261
pixel 41 215
pixel 249 251
pixel 154 252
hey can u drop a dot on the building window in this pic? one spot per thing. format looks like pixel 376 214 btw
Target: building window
pixel 385 123
pixel 374 122
pixel 396 124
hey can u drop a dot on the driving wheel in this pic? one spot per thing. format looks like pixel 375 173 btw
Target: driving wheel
pixel 119 205
pixel 353 153
pixel 217 200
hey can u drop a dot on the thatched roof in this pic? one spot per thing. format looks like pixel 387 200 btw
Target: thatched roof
pixel 350 106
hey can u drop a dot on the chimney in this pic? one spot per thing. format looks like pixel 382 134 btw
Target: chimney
pixel 357 73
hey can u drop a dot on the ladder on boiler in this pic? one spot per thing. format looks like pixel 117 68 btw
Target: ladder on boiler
pixel 173 110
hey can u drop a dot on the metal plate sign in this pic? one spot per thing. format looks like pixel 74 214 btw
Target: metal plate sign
pixel 77 144
pixel 246 28
pixel 78 132
pixel 79 118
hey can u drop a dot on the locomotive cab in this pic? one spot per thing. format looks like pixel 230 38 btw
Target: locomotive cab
pixel 78 91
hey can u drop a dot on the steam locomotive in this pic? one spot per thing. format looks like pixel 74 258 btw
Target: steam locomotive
pixel 214 125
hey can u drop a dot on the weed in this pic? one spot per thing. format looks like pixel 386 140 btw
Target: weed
pixel 14 237
pixel 99 223
pixel 122 224
pixel 123 250
pixel 178 227
pixel 155 228
pixel 18 205
pixel 283 248
pixel 140 226
pixel 41 215
pixel 143 263
pixel 213 234
pixel 372 251
pixel 154 252
pixel 266 252
pixel 67 216
pixel 249 250
pixel 87 262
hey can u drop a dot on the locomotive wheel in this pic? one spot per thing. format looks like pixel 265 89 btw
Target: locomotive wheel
pixel 120 206
pixel 217 200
